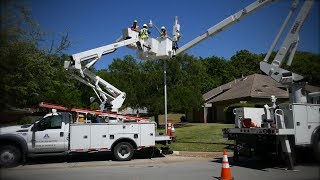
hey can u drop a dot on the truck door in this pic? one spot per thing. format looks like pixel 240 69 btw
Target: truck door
pixel 49 135
pixel 301 126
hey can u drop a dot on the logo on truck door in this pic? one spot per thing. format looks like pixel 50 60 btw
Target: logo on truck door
pixel 46 136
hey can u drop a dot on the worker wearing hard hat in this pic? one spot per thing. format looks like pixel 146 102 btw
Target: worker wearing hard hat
pixel 163 32
pixel 134 26
pixel 144 32
pixel 176 38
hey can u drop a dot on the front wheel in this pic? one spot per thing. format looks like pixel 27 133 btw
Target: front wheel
pixel 9 156
pixel 123 151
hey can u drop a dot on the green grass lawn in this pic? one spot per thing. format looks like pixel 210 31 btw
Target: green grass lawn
pixel 201 137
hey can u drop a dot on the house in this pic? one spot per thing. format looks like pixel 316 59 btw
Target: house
pixel 254 89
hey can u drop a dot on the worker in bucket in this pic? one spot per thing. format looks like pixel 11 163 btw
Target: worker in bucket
pixel 135 26
pixel 144 32
pixel 176 38
pixel 163 32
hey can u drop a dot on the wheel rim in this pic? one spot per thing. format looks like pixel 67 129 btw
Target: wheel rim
pixel 124 152
pixel 7 157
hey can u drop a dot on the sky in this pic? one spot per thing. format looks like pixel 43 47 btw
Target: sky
pixel 94 23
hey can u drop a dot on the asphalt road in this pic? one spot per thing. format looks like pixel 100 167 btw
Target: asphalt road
pixel 160 168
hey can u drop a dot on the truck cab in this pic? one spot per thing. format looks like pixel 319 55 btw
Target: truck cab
pixel 47 135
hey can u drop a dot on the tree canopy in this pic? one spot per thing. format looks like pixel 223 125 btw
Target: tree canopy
pixel 31 73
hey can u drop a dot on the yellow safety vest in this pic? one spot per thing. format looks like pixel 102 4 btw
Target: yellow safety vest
pixel 144 33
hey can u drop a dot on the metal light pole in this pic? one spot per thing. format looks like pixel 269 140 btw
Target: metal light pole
pixel 165 94
pixel 164 79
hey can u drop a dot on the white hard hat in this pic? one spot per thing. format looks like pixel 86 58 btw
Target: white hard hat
pixel 144 25
pixel 163 27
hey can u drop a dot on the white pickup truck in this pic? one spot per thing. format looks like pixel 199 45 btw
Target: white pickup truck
pixel 59 133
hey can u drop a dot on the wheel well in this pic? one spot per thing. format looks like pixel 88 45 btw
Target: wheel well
pixel 12 143
pixel 134 145
pixel 315 133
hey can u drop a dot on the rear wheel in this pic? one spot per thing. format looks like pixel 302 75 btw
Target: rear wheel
pixel 123 151
pixel 9 156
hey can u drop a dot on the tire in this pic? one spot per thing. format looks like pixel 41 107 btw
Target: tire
pixel 9 156
pixel 150 152
pixel 123 151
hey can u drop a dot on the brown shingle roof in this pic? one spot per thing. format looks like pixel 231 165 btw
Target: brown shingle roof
pixel 255 85
pixel 310 88
pixel 214 92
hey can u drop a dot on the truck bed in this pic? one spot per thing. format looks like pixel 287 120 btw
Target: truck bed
pixel 102 136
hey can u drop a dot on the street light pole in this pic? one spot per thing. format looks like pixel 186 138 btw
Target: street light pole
pixel 165 94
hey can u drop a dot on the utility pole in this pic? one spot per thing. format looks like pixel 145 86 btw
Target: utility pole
pixel 165 94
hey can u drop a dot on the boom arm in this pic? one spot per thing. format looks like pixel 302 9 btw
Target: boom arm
pixel 289 45
pixel 225 24
pixel 106 92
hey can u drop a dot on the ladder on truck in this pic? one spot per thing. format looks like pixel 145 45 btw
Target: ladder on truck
pixel 122 117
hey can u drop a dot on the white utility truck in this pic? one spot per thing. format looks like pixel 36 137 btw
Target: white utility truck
pixel 280 128
pixel 286 125
pixel 78 130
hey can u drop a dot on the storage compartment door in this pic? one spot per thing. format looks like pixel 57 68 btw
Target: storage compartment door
pixel 79 137
pixel 147 135
pixel 99 137
pixel 300 119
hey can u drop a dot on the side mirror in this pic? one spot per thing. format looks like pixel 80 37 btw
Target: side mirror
pixel 35 127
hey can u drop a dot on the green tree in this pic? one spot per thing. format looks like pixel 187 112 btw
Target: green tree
pixel 245 63
pixel 125 75
pixel 143 83
pixel 186 76
pixel 308 65
pixel 219 70
pixel 30 74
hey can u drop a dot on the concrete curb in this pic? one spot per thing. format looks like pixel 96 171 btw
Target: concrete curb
pixel 201 154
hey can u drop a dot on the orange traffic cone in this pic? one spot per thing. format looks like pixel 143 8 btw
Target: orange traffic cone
pixel 225 171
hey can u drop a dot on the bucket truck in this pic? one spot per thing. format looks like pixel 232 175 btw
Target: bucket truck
pixel 75 130
pixel 287 125
pixel 283 126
